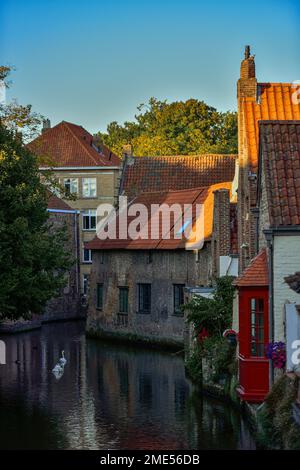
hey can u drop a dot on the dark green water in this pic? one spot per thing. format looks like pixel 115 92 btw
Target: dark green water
pixel 109 397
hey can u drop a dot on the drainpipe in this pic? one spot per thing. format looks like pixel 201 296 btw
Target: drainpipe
pixel 270 243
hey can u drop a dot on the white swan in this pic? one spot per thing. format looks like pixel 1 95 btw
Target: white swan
pixel 63 360
pixel 58 369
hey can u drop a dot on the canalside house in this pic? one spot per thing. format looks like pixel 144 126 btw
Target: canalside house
pixel 256 102
pixel 137 286
pixel 86 169
pixel 268 289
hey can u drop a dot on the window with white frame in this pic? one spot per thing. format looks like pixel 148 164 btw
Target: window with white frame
pixel 89 219
pixel 87 255
pixel 71 185
pixel 89 187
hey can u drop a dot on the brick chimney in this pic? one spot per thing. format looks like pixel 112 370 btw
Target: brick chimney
pixel 247 84
pixel 46 125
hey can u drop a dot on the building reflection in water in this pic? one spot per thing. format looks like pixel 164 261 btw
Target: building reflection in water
pixel 110 397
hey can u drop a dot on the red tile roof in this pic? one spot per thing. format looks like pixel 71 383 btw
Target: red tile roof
pixel 256 274
pixel 69 145
pixel 203 195
pixel 55 202
pixel 280 158
pixel 275 101
pixel 148 174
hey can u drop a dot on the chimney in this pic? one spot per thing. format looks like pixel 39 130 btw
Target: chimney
pixel 46 125
pixel 247 84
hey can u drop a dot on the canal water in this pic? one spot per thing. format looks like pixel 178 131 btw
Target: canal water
pixel 109 397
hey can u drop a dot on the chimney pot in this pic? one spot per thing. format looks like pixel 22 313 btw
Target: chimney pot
pixel 46 125
pixel 247 52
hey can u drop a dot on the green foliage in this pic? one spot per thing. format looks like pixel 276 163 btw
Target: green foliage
pixel 213 314
pixel 277 428
pixel 179 128
pixel 16 117
pixel 33 259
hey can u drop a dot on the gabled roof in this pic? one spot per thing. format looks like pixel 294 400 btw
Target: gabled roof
pixel 275 101
pixel 256 274
pixel 55 203
pixel 280 159
pixel 69 145
pixel 148 174
pixel 203 195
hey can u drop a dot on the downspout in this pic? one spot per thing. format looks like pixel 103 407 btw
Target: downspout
pixel 76 236
pixel 270 243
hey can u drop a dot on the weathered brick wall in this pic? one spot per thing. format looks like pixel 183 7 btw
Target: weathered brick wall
pixel 264 218
pixel 127 268
pixel 286 262
pixel 221 228
pixel 246 90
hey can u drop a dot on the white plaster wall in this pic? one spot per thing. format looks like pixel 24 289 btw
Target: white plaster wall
pixel 286 262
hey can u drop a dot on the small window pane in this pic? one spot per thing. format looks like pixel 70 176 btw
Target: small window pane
pixel 257 327
pixel 87 255
pixel 123 299
pixel 89 187
pixel 178 298
pixel 144 298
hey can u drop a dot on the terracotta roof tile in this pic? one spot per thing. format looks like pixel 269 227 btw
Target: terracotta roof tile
pixel 256 274
pixel 203 195
pixel 69 145
pixel 55 202
pixel 280 158
pixel 275 102
pixel 148 174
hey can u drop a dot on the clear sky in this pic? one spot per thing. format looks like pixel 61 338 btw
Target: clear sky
pixel 91 62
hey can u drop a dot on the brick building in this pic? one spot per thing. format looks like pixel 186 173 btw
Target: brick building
pixel 86 169
pixel 269 296
pixel 137 286
pixel 256 102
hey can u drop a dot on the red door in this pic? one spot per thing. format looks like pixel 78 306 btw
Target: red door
pixel 253 338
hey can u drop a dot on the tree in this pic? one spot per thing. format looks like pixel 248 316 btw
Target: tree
pixel 33 260
pixel 179 128
pixel 214 314
pixel 16 117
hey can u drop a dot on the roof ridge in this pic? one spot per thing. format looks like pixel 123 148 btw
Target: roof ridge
pixel 235 155
pixel 66 124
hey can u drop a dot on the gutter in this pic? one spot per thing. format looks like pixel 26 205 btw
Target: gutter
pixel 63 211
pixel 79 168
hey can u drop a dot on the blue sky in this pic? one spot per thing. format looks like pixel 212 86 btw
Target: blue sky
pixel 93 62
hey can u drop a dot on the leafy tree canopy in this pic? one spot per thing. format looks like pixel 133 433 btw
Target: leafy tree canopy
pixel 33 260
pixel 14 116
pixel 179 128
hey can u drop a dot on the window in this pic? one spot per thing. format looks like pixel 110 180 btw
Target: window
pixel 89 219
pixel 89 187
pixel 87 255
pixel 85 284
pixel 99 296
pixel 71 185
pixel 123 300
pixel 178 295
pixel 144 298
pixel 257 327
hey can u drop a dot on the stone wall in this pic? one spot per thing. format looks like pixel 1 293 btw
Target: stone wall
pixel 128 268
